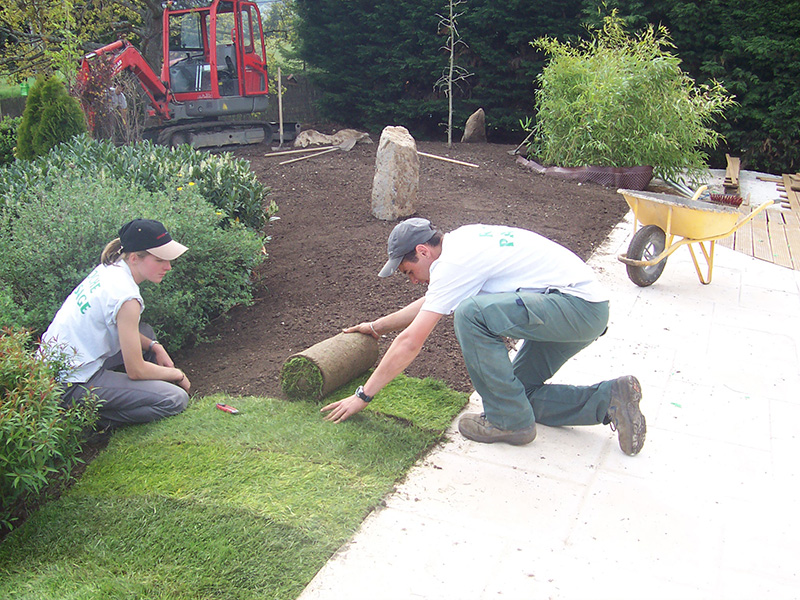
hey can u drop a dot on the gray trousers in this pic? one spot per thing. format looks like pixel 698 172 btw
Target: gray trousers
pixel 555 327
pixel 124 400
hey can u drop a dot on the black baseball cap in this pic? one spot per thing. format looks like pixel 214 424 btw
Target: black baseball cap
pixel 149 235
pixel 404 238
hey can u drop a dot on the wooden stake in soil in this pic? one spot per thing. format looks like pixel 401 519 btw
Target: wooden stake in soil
pixel 450 160
pixel 317 371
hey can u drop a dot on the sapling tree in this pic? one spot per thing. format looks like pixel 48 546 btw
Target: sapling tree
pixel 453 73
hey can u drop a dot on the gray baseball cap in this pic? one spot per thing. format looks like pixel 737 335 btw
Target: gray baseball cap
pixel 404 238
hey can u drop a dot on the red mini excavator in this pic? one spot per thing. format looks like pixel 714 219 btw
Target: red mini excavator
pixel 214 65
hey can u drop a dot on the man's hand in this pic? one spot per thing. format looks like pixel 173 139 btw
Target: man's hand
pixel 344 409
pixel 367 328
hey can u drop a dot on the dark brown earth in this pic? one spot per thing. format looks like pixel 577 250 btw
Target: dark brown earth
pixel 326 250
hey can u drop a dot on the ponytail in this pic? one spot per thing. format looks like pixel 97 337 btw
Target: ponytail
pixel 112 252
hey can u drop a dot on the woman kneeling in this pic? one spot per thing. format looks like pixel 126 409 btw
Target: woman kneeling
pixel 98 327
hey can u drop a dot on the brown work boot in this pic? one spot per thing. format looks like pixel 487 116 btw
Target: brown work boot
pixel 624 415
pixel 479 429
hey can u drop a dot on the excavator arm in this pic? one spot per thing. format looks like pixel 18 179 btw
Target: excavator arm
pixel 126 57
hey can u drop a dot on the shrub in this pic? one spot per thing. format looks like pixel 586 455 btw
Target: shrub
pixel 51 116
pixel 8 139
pixel 223 180
pixel 30 117
pixel 10 313
pixel 623 101
pixel 39 438
pixel 56 234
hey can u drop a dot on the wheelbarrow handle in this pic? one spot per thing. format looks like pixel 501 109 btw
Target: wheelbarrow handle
pixel 699 192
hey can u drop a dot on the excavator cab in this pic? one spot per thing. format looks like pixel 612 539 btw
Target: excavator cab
pixel 214 50
pixel 214 65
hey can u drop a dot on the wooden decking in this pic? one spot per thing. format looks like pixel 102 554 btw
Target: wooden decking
pixel 774 234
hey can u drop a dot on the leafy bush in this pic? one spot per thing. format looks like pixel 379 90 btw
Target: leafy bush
pixel 623 101
pixel 39 438
pixel 51 116
pixel 10 313
pixel 223 180
pixel 751 47
pixel 8 139
pixel 54 238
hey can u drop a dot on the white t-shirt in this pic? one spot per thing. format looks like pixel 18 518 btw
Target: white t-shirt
pixel 85 326
pixel 490 259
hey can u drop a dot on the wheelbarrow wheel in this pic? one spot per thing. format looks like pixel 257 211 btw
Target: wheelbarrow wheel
pixel 647 243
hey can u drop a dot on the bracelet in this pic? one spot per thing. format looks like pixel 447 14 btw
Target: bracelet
pixel 373 329
pixel 152 343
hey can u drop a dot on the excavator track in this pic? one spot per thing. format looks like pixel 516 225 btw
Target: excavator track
pixel 215 134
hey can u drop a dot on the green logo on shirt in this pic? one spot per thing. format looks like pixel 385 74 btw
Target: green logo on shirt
pixel 82 294
pixel 506 237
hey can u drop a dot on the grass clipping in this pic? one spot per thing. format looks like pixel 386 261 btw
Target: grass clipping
pixel 324 367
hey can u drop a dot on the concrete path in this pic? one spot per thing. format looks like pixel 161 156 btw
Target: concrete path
pixel 707 510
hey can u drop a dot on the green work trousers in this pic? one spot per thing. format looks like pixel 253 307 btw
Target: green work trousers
pixel 555 327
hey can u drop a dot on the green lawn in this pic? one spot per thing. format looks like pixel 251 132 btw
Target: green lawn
pixel 11 90
pixel 212 505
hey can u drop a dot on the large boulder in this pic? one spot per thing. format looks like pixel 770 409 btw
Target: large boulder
pixel 395 186
pixel 475 129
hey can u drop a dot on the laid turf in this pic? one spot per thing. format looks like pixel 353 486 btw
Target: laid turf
pixel 212 505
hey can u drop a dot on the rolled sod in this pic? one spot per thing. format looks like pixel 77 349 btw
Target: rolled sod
pixel 328 365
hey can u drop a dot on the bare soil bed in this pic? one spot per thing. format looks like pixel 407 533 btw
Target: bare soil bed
pixel 326 250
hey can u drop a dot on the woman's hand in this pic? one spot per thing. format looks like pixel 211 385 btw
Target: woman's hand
pixel 183 382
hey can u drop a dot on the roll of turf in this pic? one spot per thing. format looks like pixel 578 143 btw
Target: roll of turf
pixel 317 371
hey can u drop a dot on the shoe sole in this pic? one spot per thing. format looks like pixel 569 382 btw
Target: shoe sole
pixel 632 429
pixel 516 438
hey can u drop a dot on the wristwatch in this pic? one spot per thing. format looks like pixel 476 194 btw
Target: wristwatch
pixel 363 395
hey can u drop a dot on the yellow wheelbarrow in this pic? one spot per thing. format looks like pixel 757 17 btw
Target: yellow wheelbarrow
pixel 665 216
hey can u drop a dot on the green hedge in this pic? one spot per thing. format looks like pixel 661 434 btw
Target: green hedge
pixel 223 180
pixel 55 234
pixel 39 438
